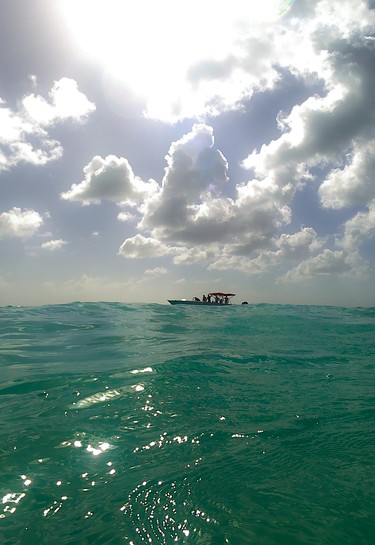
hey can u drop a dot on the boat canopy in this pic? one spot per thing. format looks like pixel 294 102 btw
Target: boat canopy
pixel 221 294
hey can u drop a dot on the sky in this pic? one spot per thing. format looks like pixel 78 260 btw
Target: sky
pixel 163 149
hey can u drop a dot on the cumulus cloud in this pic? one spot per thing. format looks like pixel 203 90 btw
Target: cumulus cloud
pixel 110 178
pixel 156 272
pixel 354 183
pixel 126 216
pixel 285 250
pixel 192 211
pixel 19 223
pixel 192 220
pixel 327 263
pixel 249 48
pixel 53 245
pixel 197 214
pixel 196 175
pixel 24 132
pixel 141 247
pixel 325 127
pixel 65 102
pixel 358 230
pixel 217 52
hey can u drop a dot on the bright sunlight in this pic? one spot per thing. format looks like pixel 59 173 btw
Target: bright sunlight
pixel 149 45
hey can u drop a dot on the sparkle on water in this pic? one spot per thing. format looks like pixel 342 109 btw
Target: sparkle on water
pixel 252 424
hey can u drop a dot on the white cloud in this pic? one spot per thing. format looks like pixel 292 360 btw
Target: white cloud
pixel 218 53
pixel 192 221
pixel 195 172
pixel 238 40
pixel 141 247
pixel 110 178
pixel 327 263
pixel 199 255
pixel 126 216
pixel 286 250
pixel 19 223
pixel 196 214
pixel 324 128
pixel 156 272
pixel 53 245
pixel 299 245
pixel 23 133
pixel 354 184
pixel 191 209
pixel 358 230
pixel 66 102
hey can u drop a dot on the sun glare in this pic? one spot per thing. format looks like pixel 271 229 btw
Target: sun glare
pixel 149 45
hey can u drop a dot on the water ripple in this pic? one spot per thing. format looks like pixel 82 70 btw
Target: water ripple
pixel 131 424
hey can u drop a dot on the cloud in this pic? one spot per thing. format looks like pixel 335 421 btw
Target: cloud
pixel 156 272
pixel 126 216
pixel 324 128
pixel 238 43
pixel 19 223
pixel 358 230
pixel 241 233
pixel 17 141
pixel 285 250
pixel 354 184
pixel 327 263
pixel 142 247
pixel 53 245
pixel 251 47
pixel 66 102
pixel 23 133
pixel 191 210
pixel 233 51
pixel 197 214
pixel 186 255
pixel 195 171
pixel 192 221
pixel 110 178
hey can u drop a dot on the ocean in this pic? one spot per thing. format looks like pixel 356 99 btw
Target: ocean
pixel 139 424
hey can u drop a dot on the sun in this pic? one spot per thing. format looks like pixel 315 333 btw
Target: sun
pixel 149 45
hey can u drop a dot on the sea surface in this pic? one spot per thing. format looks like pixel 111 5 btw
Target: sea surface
pixel 139 424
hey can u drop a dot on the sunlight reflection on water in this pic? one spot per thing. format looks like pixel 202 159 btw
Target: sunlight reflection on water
pixel 251 428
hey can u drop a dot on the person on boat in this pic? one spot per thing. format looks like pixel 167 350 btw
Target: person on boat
pixel 226 300
pixel 204 299
pixel 209 298
pixel 196 299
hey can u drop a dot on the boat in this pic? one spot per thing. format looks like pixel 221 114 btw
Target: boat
pixel 214 298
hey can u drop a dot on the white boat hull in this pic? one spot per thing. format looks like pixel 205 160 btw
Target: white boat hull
pixel 204 303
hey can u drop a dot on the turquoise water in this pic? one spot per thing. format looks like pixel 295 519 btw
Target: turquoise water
pixel 153 424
